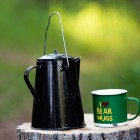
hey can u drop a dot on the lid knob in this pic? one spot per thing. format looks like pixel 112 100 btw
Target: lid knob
pixel 55 52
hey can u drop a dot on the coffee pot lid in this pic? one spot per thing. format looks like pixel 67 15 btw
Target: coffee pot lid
pixel 55 56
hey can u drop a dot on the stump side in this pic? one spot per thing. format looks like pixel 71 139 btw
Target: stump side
pixel 131 131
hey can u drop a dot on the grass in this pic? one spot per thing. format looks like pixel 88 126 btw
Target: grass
pixel 14 95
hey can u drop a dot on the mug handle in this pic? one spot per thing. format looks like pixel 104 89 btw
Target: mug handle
pixel 26 78
pixel 138 103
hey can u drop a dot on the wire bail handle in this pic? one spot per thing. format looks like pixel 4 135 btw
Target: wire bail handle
pixel 62 32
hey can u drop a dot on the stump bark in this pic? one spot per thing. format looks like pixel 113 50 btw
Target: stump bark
pixel 131 131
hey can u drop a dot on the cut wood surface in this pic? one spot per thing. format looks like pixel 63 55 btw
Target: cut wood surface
pixel 131 131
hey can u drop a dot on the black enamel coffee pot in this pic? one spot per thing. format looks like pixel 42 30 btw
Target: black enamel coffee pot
pixel 57 102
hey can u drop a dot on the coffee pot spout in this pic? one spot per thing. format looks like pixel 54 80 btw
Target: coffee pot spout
pixel 77 65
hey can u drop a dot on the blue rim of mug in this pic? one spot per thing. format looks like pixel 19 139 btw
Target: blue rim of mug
pixel 109 91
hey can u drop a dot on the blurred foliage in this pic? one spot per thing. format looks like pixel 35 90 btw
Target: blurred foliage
pixel 105 33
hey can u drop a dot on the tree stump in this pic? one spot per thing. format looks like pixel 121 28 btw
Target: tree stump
pixel 131 131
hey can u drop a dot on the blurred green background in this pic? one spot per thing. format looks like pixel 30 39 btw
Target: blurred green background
pixel 105 33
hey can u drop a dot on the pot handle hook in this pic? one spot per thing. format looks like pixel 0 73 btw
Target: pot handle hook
pixel 62 31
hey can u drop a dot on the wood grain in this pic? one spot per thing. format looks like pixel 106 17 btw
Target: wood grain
pixel 131 131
